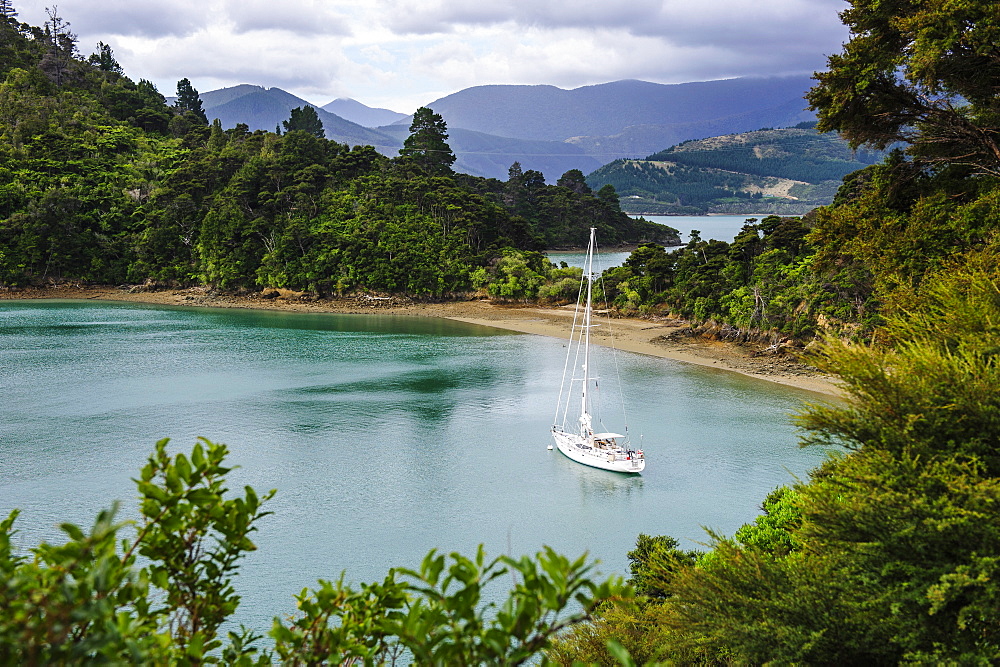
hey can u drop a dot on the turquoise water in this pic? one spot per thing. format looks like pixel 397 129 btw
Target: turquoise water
pixel 385 436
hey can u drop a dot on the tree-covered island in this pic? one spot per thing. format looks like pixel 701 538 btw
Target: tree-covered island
pixel 889 553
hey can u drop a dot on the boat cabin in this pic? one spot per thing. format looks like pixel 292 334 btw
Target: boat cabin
pixel 606 440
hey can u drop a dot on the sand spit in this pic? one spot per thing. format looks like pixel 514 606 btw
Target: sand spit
pixel 656 338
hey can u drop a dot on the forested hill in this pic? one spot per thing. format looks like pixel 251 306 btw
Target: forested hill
pixel 785 171
pixel 102 181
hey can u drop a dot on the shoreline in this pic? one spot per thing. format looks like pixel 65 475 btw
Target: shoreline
pixel 649 337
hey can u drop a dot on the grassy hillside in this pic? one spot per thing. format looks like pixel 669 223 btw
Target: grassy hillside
pixel 785 171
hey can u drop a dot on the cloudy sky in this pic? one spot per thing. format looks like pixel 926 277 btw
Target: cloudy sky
pixel 401 54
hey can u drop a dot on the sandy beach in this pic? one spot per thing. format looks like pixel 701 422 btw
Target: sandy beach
pixel 651 337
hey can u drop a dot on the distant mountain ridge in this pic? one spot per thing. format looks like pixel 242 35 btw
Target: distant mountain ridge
pixel 545 128
pixel 265 108
pixel 548 112
pixel 477 153
pixel 366 116
pixel 628 118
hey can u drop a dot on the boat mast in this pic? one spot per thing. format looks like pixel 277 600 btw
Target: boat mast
pixel 585 407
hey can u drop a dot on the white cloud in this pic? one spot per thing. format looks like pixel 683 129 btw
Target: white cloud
pixel 149 18
pixel 404 53
pixel 299 17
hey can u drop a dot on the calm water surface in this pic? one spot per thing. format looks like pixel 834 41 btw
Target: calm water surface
pixel 718 227
pixel 385 436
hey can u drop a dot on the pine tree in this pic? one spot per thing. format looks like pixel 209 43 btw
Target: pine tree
pixel 426 146
pixel 104 59
pixel 609 197
pixel 7 10
pixel 188 100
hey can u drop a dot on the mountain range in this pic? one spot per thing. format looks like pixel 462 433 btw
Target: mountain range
pixel 265 108
pixel 545 128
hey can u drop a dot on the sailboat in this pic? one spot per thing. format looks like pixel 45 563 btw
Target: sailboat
pixel 605 450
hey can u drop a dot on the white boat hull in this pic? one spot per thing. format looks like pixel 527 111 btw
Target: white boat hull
pixel 616 459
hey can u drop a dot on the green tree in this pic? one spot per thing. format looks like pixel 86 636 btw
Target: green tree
pixel 305 119
pixel 917 72
pixel 189 101
pixel 104 59
pixel 888 553
pixel 653 563
pixel 427 145
pixel 609 197
pixel 575 181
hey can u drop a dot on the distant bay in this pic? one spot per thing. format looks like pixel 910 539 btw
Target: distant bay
pixel 718 227
pixel 385 436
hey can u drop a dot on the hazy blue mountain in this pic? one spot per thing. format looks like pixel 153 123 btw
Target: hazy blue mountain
pixel 487 155
pixel 363 115
pixel 628 118
pixel 478 153
pixel 545 128
pixel 265 108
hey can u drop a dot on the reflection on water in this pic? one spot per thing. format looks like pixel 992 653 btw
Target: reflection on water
pixel 596 484
pixel 385 436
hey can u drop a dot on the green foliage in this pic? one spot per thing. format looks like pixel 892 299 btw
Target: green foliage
pixel 560 216
pixel 515 276
pixel 435 613
pixel 104 59
pixel 194 539
pixel 574 180
pixel 609 197
pixel 763 280
pixel 162 595
pixel 88 601
pixel 304 119
pixel 624 632
pixel 653 563
pixel 427 147
pixel 921 73
pixel 898 223
pixel 189 102
pixel 101 181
